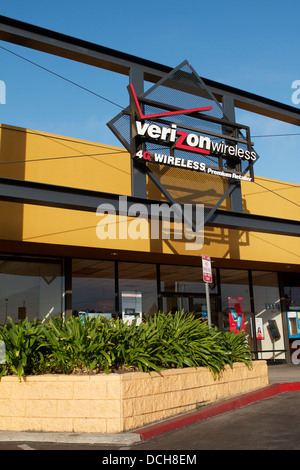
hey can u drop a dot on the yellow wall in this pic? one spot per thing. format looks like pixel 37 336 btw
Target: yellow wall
pixel 271 198
pixel 36 156
pixel 52 159
pixel 37 224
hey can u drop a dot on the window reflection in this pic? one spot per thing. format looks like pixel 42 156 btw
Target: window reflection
pixel 184 279
pixel 30 289
pixel 139 280
pixel 93 286
pixel 268 318
pixel 235 300
pixel 292 290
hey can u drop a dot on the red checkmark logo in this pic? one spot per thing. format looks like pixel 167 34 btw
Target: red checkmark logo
pixel 171 113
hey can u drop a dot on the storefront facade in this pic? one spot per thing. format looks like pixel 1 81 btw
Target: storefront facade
pixel 35 288
pixel 78 222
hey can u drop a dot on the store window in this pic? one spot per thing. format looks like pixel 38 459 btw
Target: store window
pixel 268 317
pixel 137 289
pixel 291 289
pixel 32 289
pixel 194 304
pixel 183 289
pixel 235 314
pixel 182 279
pixel 93 286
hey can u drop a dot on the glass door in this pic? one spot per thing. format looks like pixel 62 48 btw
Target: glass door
pixel 195 304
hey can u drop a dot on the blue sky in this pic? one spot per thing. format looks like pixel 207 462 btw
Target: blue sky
pixel 251 45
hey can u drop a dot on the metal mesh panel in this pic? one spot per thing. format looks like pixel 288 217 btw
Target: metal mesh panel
pixel 195 95
pixel 188 187
pixel 120 126
pixel 157 148
pixel 186 120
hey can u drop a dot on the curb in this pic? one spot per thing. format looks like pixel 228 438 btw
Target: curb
pixel 126 438
pixel 215 409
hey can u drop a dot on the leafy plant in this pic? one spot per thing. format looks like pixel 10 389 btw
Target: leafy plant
pixel 97 344
pixel 21 344
pixel 238 347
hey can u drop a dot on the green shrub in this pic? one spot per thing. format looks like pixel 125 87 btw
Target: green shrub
pixel 98 344
pixel 22 343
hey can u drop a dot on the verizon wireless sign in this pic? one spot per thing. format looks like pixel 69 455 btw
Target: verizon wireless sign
pixel 188 165
pixel 191 142
pixel 175 137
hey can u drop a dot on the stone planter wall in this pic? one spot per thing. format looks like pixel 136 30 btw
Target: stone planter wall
pixel 117 402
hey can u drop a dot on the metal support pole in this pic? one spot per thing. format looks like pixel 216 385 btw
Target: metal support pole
pixel 138 174
pixel 236 194
pixel 68 288
pixel 6 311
pixel 208 304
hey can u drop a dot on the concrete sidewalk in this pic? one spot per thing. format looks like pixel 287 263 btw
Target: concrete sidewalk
pixel 284 373
pixel 279 375
pixel 125 438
